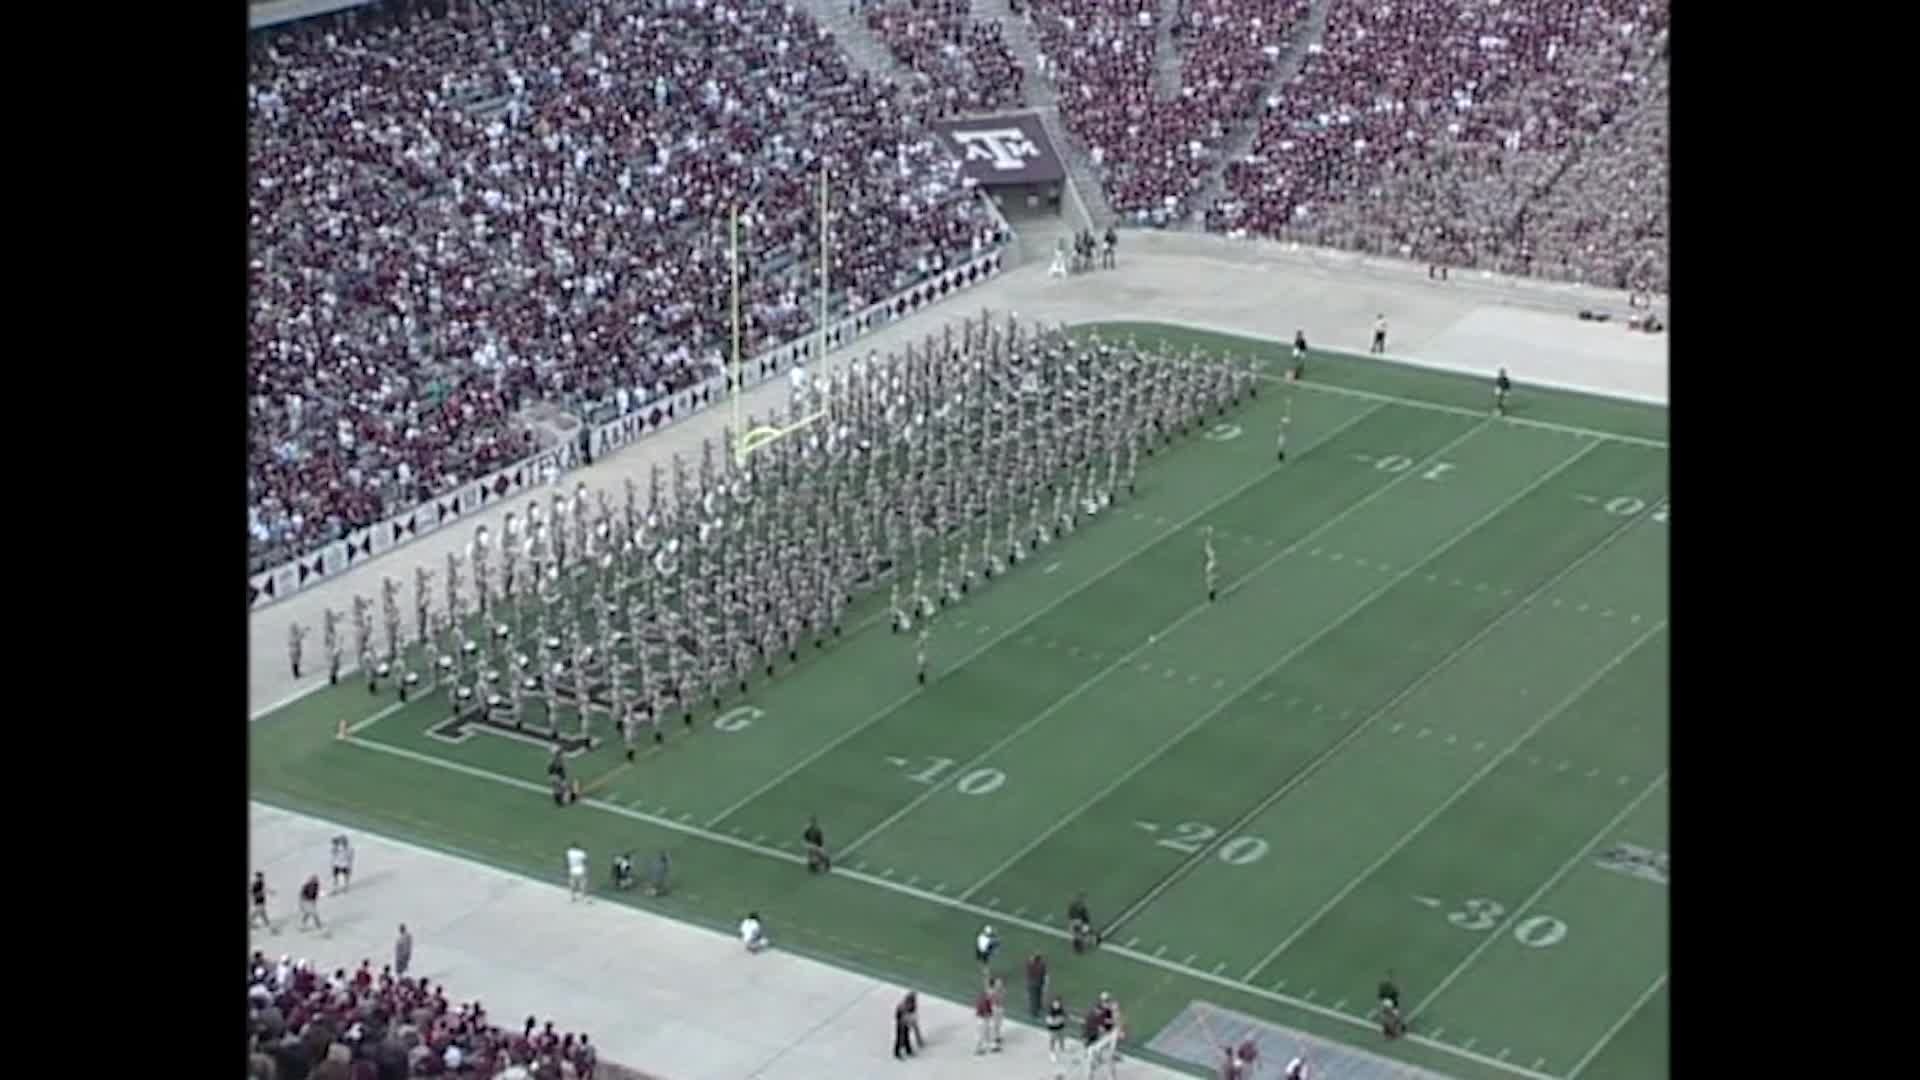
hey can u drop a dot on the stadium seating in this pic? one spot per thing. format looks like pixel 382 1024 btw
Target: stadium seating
pixel 457 209
pixel 1483 134
pixel 962 65
pixel 1153 153
pixel 369 1025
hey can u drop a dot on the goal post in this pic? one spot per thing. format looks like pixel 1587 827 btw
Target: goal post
pixel 747 440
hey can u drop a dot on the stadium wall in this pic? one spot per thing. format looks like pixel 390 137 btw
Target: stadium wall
pixel 280 582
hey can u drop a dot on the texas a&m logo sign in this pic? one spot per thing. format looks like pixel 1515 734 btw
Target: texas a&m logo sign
pixel 1010 149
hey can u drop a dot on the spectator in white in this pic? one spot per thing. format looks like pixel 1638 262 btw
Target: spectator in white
pixel 576 872
pixel 752 934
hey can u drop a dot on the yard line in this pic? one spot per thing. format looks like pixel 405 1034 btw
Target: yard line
pixel 1566 868
pixel 1459 410
pixel 1472 781
pixel 1260 807
pixel 1021 624
pixel 1016 919
pixel 1638 1004
pixel 361 725
pixel 1189 614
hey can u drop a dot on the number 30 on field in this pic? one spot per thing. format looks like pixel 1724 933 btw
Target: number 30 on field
pixel 1534 931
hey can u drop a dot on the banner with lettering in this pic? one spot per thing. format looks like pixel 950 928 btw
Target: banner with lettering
pixel 1009 149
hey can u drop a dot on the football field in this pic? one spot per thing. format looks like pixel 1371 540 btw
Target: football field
pixel 1424 727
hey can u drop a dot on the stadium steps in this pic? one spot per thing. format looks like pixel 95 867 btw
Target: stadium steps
pixel 1166 58
pixel 858 44
pixel 1036 91
pixel 1293 56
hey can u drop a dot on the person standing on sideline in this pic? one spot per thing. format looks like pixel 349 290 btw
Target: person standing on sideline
pixel 752 934
pixel 1299 367
pixel 1502 386
pixel 1280 444
pixel 1036 984
pixel 1379 334
pixel 903 1027
pixel 576 872
pixel 310 903
pixel 986 1009
pixel 1056 1030
pixel 342 863
pixel 402 952
pixel 1106 250
pixel 257 893
pixel 984 947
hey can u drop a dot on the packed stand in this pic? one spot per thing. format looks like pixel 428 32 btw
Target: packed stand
pixel 458 210
pixel 1153 155
pixel 302 1025
pixel 1606 217
pixel 1422 129
pixel 960 65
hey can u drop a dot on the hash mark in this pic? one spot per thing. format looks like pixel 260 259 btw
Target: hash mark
pixel 1556 601
pixel 995 902
pixel 760 838
pixel 1502 1055
pixel 1481 745
pixel 1019 912
pixel 1160 951
pixel 1292 702
pixel 1534 759
pixel 1623 781
pixel 1281 985
pixel 1384 567
pixel 1218 683
pixel 1452 738
pixel 1457 583
pixel 1397 728
pixel 1563 766
pixel 1050 569
pixel 1607 614
pixel 1309 994
pixel 1335 557
pixel 1468 1045
pixel 887 872
pixel 1583 607
pixel 1634 619
pixel 1145 667
pixel 1051 643
pixel 1266 697
pixel 1341 1004
pixel 1191 679
pixel 1131 942
pixel 1433 577
pixel 686 817
pixel 1191 957
pixel 1168 674
pixel 1359 562
pixel 735 830
pixel 1435 1033
pixel 1591 773
pixel 861 865
pixel 1424 732
pixel 1219 967
pixel 1315 553
pixel 1480 586
pixel 1319 706
pixel 938 886
pixel 1540 1063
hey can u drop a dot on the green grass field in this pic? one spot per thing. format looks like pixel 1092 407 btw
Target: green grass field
pixel 1413 732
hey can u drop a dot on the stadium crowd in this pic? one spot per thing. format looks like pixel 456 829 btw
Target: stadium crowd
pixel 368 1026
pixel 1153 154
pixel 1440 131
pixel 961 65
pixel 459 208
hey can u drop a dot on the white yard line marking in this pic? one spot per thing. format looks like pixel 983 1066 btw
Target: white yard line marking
pixel 1506 926
pixel 1340 620
pixel 1191 613
pixel 1359 729
pixel 1639 1003
pixel 1017 918
pixel 1434 406
pixel 1459 793
pixel 359 726
pixel 1022 623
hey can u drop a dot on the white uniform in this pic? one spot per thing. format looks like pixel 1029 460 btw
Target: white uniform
pixel 576 872
pixel 752 935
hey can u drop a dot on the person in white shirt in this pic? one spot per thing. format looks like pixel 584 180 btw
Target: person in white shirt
pixel 342 863
pixel 752 934
pixel 576 872
pixel 984 946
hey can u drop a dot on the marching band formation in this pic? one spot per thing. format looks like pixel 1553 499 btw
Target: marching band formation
pixel 932 471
